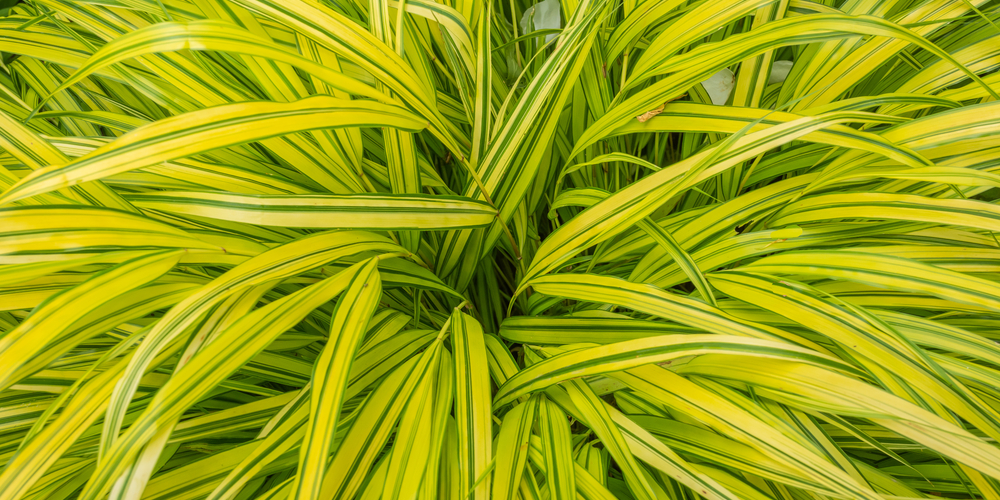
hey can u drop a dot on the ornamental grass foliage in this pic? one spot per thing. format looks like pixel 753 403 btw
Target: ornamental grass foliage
pixel 471 250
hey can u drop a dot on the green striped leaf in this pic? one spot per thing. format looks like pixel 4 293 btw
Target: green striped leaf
pixel 208 129
pixel 362 211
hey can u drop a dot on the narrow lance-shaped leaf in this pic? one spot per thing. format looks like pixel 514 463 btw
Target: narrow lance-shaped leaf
pixel 350 321
pixel 407 463
pixel 472 403
pixel 352 41
pixel 287 260
pixel 209 367
pixel 690 267
pixel 801 464
pixel 651 300
pixel 374 425
pixel 207 129
pixel 704 60
pixel 824 388
pixel 629 205
pixel 638 442
pixel 36 152
pixel 361 211
pixel 400 148
pixel 38 454
pixel 208 34
pixel 886 271
pixel 603 426
pixel 632 353
pixel 283 432
pixel 556 449
pixel 47 323
pixel 512 449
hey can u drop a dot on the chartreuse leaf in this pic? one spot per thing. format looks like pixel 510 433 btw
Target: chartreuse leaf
pixel 520 141
pixel 586 485
pixel 695 65
pixel 35 152
pixel 283 431
pixel 886 271
pixel 686 263
pixel 363 211
pixel 629 205
pixel 721 450
pixel 373 426
pixel 968 213
pixel 124 308
pixel 400 148
pixel 18 273
pixel 407 464
pixel 727 417
pixel 208 129
pixel 350 320
pixel 104 118
pixel 571 329
pixel 502 364
pixel 472 403
pixel 872 346
pixel 209 34
pixel 580 197
pixel 283 261
pixel 792 297
pixel 220 357
pixel 512 448
pixel 603 426
pixel 640 443
pixel 824 388
pixel 341 35
pixel 558 460
pixel 610 157
pixel 55 229
pixel 689 117
pixel 444 392
pixel 82 410
pixel 48 322
pixel 619 356
pixel 651 300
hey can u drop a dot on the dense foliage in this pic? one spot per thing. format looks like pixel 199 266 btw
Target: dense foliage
pixel 334 249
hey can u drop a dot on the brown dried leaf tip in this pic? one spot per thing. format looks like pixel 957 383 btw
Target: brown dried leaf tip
pixel 649 114
pixel 659 109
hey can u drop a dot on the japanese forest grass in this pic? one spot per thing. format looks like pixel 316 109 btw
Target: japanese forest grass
pixel 311 249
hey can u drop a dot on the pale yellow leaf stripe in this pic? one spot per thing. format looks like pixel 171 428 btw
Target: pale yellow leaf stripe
pixel 330 374
pixel 885 271
pixel 211 128
pixel 609 358
pixel 360 211
pixel 813 387
pixel 58 229
pixel 281 262
pixel 472 402
pixel 229 350
pixel 48 321
pixel 511 452
pixel 556 450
